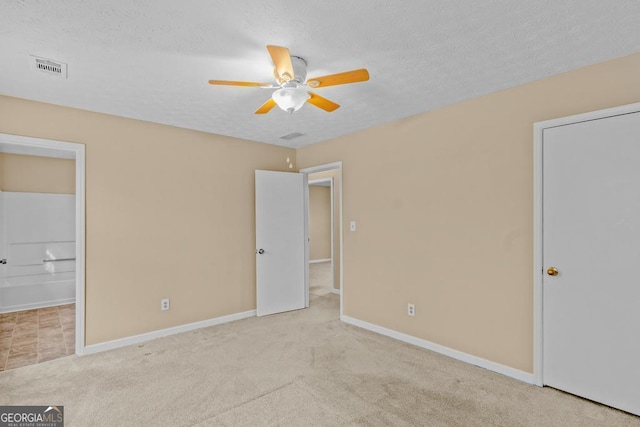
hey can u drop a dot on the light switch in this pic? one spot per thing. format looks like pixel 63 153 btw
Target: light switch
pixel 353 226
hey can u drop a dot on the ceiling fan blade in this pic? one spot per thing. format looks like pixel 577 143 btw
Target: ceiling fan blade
pixel 232 83
pixel 354 76
pixel 266 107
pixel 323 103
pixel 282 60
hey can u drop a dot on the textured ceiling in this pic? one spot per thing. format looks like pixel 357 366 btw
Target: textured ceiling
pixel 151 59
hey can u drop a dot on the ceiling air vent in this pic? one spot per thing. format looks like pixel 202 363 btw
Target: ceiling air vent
pixel 292 136
pixel 49 66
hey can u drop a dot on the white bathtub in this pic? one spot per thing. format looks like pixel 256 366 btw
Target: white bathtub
pixel 35 292
pixel 39 243
pixel 30 282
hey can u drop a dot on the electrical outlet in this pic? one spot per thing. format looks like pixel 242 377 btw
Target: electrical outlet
pixel 411 309
pixel 164 304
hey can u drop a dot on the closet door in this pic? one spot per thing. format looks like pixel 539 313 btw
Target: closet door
pixel 591 259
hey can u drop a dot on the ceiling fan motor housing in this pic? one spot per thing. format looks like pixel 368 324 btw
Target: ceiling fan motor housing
pixel 299 71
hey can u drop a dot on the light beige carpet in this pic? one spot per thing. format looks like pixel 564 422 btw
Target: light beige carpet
pixel 299 368
pixel 320 278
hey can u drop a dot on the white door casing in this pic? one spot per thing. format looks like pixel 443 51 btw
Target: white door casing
pixel 337 166
pixel 3 251
pixel 281 242
pixel 49 148
pixel 590 232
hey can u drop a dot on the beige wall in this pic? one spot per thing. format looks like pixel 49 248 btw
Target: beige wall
pixel 443 202
pixel 335 174
pixel 33 174
pixel 169 214
pixel 319 222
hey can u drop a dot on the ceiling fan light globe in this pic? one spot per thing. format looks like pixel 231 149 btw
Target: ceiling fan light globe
pixel 290 99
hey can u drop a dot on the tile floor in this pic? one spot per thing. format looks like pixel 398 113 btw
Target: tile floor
pixel 34 336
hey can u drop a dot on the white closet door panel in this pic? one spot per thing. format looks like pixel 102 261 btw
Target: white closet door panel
pixel 591 235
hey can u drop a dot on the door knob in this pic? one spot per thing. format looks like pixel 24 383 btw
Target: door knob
pixel 260 251
pixel 552 271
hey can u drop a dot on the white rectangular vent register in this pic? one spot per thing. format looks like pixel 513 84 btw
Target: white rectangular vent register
pixel 49 66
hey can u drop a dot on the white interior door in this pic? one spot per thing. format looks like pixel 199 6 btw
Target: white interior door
pixel 591 235
pixel 281 242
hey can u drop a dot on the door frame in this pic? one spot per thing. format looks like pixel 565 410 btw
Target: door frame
pixel 15 144
pixel 323 168
pixel 331 214
pixel 538 268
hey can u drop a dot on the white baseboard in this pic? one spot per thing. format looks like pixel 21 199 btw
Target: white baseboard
pixel 33 306
pixel 315 261
pixel 459 355
pixel 335 291
pixel 137 339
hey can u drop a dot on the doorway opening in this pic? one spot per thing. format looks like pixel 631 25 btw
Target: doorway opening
pixel 325 230
pixel 42 245
pixel 321 236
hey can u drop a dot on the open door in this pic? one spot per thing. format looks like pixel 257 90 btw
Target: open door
pixel 281 242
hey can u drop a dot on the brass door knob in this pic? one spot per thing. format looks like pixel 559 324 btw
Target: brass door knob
pixel 552 271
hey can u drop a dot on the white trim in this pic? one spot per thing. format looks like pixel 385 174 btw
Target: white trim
pixel 538 268
pixel 47 148
pixel 80 249
pixel 137 339
pixel 307 252
pixel 332 240
pixel 537 256
pixel 335 291
pixel 341 208
pixel 319 181
pixel 35 305
pixel 3 234
pixel 315 261
pixel 28 146
pixel 455 354
pixel 322 168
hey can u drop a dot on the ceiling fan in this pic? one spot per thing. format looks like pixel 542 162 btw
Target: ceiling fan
pixel 292 85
